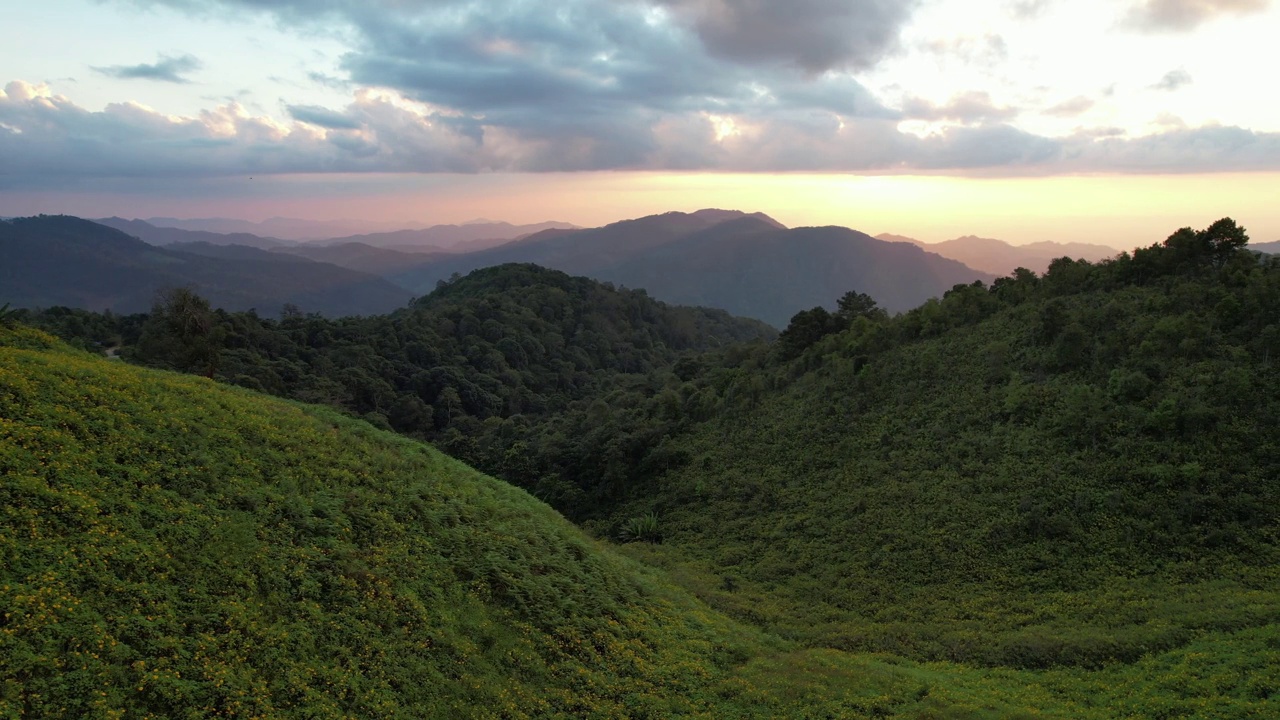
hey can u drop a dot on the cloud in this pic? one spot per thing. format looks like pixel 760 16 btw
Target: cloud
pixel 457 86
pixel 1070 108
pixel 322 117
pixel 1178 150
pixel 49 141
pixel 1029 9
pixel 984 50
pixel 968 108
pixel 166 69
pixel 1173 80
pixel 1183 15
pixel 815 35
pixel 52 140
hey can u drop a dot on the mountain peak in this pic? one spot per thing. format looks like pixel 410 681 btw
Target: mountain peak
pixel 718 215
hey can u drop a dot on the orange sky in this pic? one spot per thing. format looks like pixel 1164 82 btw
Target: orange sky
pixel 1114 210
pixel 1121 211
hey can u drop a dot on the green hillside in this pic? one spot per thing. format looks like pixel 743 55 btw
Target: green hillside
pixel 479 367
pixel 1055 496
pixel 1078 471
pixel 173 548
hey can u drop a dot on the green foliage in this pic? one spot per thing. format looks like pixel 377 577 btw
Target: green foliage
pixel 508 357
pixel 175 548
pixel 642 528
pixel 1054 496
pixel 1007 474
pixel 172 548
pixel 180 333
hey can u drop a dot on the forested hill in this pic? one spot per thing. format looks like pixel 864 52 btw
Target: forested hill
pixel 173 548
pixel 747 264
pixel 1060 490
pixel 479 366
pixel 1079 469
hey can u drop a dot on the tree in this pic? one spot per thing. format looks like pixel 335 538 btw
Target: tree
pixel 854 304
pixel 1223 238
pixel 806 328
pixel 180 334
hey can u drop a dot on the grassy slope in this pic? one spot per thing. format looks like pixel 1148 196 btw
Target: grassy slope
pixel 956 500
pixel 174 548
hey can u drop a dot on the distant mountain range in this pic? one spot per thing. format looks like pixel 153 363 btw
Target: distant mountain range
pixel 748 264
pixel 369 232
pixel 1270 248
pixel 59 260
pixel 155 235
pixel 456 238
pixel 364 258
pixel 1002 258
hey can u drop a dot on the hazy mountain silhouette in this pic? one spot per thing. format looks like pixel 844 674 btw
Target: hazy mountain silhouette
pixel 753 269
pixel 286 228
pixel 577 252
pixel 748 264
pixel 362 257
pixel 1002 258
pixel 233 252
pixel 1271 248
pixel 154 235
pixel 476 235
pixel 60 260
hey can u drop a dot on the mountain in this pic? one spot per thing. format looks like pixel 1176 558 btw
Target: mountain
pixel 174 547
pixel 293 229
pixel 154 235
pixel 1051 497
pixel 1001 258
pixel 752 269
pixel 364 258
pixel 1271 248
pixel 58 260
pixel 234 252
pixel 748 264
pixel 472 236
pixel 577 252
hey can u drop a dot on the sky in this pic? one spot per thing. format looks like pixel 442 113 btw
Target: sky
pixel 1111 121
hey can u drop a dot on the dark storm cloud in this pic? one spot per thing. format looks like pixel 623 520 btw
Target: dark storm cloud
pixel 1173 80
pixel 166 69
pixel 1181 15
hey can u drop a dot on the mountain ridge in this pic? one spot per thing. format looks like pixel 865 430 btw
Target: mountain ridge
pixel 1001 258
pixel 655 253
pixel 61 260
